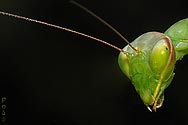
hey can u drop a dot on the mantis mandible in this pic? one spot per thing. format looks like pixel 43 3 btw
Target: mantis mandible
pixel 148 61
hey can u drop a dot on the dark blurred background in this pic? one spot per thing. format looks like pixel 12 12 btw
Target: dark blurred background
pixel 53 77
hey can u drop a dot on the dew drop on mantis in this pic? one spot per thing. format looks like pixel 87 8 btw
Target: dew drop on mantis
pixel 148 61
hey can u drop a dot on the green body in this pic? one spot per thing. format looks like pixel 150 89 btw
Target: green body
pixel 178 33
pixel 150 69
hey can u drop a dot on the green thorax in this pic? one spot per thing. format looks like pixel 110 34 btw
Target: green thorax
pixel 178 33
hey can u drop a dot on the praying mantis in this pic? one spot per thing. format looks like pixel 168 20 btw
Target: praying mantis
pixel 148 61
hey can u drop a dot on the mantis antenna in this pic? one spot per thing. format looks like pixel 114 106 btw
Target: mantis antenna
pixel 104 22
pixel 74 31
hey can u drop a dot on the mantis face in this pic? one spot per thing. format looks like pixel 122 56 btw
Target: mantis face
pixel 151 68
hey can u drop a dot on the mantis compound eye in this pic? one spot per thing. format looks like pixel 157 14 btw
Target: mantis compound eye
pixel 160 55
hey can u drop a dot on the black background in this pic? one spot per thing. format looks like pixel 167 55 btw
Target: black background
pixel 53 77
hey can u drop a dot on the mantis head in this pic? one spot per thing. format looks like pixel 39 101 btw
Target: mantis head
pixel 151 68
